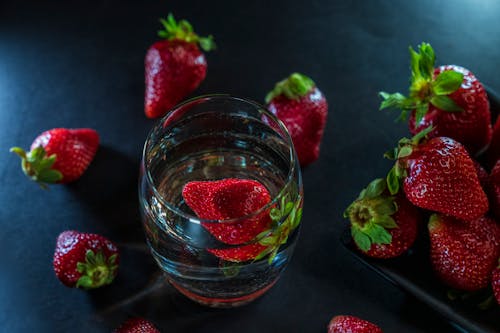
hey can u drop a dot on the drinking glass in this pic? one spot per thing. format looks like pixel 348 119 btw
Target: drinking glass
pixel 215 137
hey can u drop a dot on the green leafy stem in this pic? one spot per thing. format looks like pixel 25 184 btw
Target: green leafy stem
pixel 278 234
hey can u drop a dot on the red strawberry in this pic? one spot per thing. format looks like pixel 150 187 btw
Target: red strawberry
pixel 482 175
pixel 495 283
pixel 494 190
pixel 438 175
pixel 137 325
pixel 449 98
pixel 231 199
pixel 240 253
pixel 174 67
pixel 59 155
pixel 85 261
pixel 351 324
pixel 299 104
pixel 382 226
pixel 463 254
pixel 492 154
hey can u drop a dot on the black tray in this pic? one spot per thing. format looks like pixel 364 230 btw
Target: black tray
pixel 413 273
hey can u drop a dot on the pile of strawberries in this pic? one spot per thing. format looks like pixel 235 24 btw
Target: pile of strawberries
pixel 439 179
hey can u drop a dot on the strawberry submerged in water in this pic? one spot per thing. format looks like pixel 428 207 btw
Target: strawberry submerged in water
pixel 301 106
pixel 59 155
pixel 351 324
pixel 228 199
pixel 448 98
pixel 464 253
pixel 439 175
pixel 382 226
pixel 84 260
pixel 174 67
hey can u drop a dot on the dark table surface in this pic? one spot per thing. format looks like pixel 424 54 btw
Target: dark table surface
pixel 80 64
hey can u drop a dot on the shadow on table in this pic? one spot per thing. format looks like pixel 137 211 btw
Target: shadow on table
pixel 108 189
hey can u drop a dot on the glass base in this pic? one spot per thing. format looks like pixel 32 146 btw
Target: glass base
pixel 222 302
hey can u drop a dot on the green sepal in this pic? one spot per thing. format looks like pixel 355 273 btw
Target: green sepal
pixel 275 214
pixel 374 189
pixel 417 138
pixel 395 100
pixel 38 166
pixel 183 30
pixel 447 82
pixel 398 101
pixel 391 154
pixel 446 104
pixel 96 271
pixel 272 255
pixel 230 269
pixel 387 221
pixel 289 213
pixel 263 253
pixel 270 240
pixel 382 207
pixel 362 240
pixel 425 89
pixel 405 151
pixel 422 63
pixel 293 87
pixel 371 214
pixel 378 234
pixel 297 218
pixel 393 180
pixel 420 111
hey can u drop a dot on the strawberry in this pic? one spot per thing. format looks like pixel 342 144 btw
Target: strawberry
pixel 492 154
pixel 382 226
pixel 174 67
pixel 240 253
pixel 495 283
pixel 137 325
pixel 85 261
pixel 59 155
pixel 494 190
pixel 301 106
pixel 448 98
pixel 464 254
pixel 439 175
pixel 483 176
pixel 351 324
pixel 228 199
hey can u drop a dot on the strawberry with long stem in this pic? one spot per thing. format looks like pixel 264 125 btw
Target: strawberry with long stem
pixel 449 98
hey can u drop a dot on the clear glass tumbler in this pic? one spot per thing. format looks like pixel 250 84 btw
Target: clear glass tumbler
pixel 212 138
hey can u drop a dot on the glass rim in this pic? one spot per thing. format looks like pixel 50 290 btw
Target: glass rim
pixel 194 218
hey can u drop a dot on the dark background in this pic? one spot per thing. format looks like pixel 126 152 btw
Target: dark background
pixel 80 64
